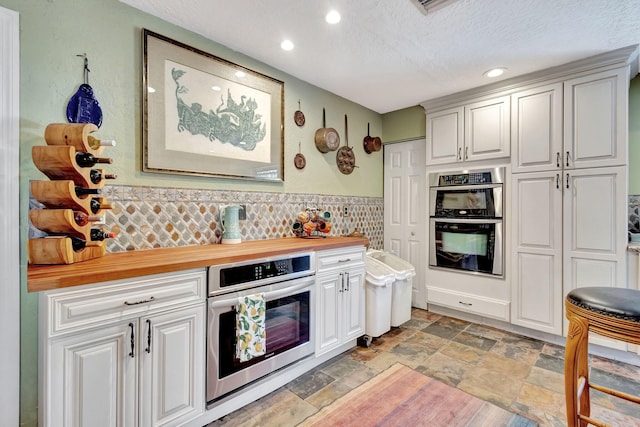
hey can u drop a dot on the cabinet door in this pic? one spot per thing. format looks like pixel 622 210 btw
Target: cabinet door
pixel 595 227
pixel 93 378
pixel 445 133
pixel 486 129
pixel 354 304
pixel 536 129
pixel 329 299
pixel 595 117
pixel 537 251
pixel 595 232
pixel 172 352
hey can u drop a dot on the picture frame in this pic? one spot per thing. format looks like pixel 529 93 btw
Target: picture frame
pixel 203 115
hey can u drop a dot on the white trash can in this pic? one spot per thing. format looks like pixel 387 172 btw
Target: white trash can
pixel 378 298
pixel 402 286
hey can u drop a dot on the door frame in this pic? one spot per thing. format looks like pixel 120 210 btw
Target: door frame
pixel 9 217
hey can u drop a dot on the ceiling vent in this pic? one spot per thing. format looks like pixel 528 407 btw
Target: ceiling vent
pixel 426 6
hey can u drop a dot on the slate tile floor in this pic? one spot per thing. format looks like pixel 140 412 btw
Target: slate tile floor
pixel 517 373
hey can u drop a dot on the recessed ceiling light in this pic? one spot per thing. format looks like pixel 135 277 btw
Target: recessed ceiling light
pixel 150 89
pixel 286 45
pixel 216 88
pixel 495 72
pixel 240 74
pixel 333 17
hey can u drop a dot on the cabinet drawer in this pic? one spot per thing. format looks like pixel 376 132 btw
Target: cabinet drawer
pixel 340 258
pixel 497 309
pixel 97 304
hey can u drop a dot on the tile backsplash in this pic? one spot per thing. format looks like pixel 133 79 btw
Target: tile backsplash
pixel 634 214
pixel 158 217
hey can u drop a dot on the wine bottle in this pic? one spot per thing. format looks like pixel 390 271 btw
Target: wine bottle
pixel 82 191
pixel 97 234
pixel 97 204
pixel 98 175
pixel 82 218
pixel 96 143
pixel 79 244
pixel 88 160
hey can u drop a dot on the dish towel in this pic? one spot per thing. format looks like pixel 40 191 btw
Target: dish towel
pixel 251 333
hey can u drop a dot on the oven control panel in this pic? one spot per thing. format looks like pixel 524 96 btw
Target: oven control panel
pixel 465 179
pixel 263 271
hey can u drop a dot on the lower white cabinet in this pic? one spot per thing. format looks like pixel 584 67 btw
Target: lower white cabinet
pixel 340 298
pixel 143 366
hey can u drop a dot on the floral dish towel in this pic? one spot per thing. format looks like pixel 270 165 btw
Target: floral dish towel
pixel 251 331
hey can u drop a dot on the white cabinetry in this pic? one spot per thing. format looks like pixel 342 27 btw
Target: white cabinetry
pixel 123 353
pixel 475 131
pixel 569 197
pixel 341 298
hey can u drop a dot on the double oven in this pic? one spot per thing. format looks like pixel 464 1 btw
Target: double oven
pixel 466 230
pixel 287 285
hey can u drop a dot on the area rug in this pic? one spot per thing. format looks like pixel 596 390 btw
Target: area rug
pixel 403 397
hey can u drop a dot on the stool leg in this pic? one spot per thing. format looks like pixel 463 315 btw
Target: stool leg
pixel 576 366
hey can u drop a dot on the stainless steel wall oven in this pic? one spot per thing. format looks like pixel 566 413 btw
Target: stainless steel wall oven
pixel 466 230
pixel 287 284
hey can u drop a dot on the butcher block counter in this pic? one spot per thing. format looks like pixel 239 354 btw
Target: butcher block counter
pixel 124 265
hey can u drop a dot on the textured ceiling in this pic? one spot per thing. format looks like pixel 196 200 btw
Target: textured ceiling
pixel 387 55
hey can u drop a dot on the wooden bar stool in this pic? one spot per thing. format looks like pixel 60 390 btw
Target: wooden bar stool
pixel 610 312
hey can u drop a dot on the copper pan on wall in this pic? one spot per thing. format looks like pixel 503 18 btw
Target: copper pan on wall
pixel 371 143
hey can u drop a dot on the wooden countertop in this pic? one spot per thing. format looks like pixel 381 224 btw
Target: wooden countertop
pixel 124 265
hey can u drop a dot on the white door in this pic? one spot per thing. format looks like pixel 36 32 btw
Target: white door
pixel 98 385
pixel 405 210
pixel 9 218
pixel 487 129
pixel 595 119
pixel 445 133
pixel 329 308
pixel 172 352
pixel 353 295
pixel 537 251
pixel 536 129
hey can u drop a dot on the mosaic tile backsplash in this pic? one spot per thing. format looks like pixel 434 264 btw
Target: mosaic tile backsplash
pixel 634 214
pixel 154 217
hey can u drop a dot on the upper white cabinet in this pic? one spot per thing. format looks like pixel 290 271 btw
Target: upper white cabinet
pixel 475 131
pixel 536 129
pixel 595 119
pixel 574 124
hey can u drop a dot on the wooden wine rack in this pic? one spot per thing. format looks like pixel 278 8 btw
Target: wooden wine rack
pixel 57 161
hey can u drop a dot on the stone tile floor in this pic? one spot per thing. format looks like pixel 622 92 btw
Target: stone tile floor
pixel 517 373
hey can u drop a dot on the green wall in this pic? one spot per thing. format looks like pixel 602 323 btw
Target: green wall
pixel 634 137
pixel 403 125
pixel 53 32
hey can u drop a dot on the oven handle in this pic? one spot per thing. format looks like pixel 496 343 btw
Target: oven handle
pixel 468 187
pixel 268 296
pixel 468 220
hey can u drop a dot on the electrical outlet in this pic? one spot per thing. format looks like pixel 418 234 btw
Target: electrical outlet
pixel 346 211
pixel 242 212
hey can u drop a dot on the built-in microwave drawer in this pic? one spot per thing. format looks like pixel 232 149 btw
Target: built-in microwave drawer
pixel 98 304
pixel 340 258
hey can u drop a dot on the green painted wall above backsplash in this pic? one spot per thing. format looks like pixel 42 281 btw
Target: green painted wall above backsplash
pixel 403 125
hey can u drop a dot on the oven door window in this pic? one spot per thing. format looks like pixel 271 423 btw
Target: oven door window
pixel 465 246
pixel 287 325
pixel 468 203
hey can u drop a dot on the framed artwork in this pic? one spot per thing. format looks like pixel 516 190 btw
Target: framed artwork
pixel 203 115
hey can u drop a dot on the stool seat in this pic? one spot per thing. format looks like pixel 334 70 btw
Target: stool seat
pixel 616 302
pixel 607 311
